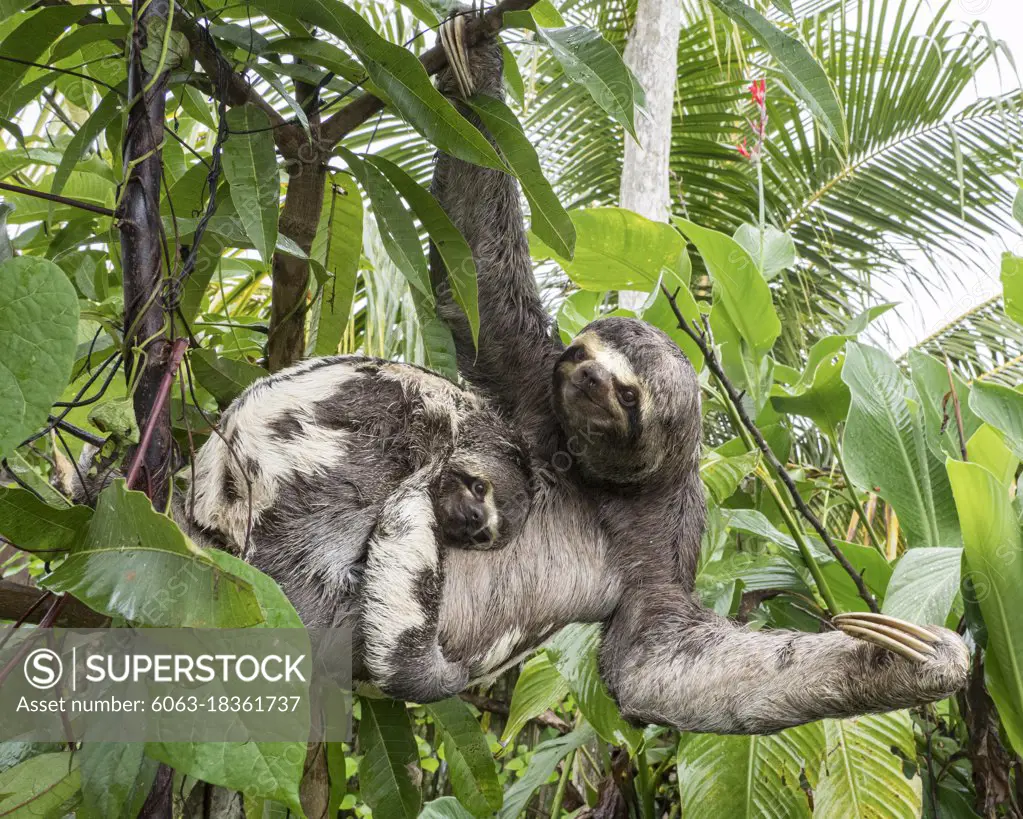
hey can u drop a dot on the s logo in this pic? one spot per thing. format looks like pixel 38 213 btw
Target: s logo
pixel 43 668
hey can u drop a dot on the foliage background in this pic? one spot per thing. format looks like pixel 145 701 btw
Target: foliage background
pixel 870 163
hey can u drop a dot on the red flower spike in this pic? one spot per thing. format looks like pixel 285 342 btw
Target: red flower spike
pixel 743 150
pixel 758 91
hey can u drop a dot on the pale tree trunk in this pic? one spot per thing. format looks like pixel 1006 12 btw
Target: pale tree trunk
pixel 652 54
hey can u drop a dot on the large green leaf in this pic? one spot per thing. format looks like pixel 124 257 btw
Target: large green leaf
pixel 338 247
pixel 270 770
pixel 546 757
pixel 389 757
pixel 29 41
pixel 116 777
pixel 573 651
pixel 779 251
pixel 34 526
pixel 1001 407
pixel 470 763
pixel 931 380
pixel 38 339
pixel 747 777
pixel 135 563
pixel 885 448
pixel 250 167
pixel 994 555
pixel 223 378
pixel 592 62
pixel 44 786
pixel 397 230
pixel 539 687
pixel 987 447
pixel 660 314
pixel 400 75
pixel 722 475
pixel 616 249
pixel 862 769
pixel 548 219
pixel 820 394
pixel 924 585
pixel 450 245
pixel 742 290
pixel 104 113
pixel 806 76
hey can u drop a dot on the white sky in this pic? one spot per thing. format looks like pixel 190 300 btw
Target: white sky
pixel 920 313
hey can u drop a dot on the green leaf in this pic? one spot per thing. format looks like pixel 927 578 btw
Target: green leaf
pixel 397 230
pixel 539 688
pixel 885 448
pixel 924 585
pixel 1012 282
pixel 447 807
pixel 321 53
pixel 277 610
pixel 545 759
pixel 124 564
pixel 390 755
pixel 592 62
pixel 44 786
pixel 862 773
pixel 104 113
pixel 779 251
pixel 573 651
pixel 860 322
pixel 548 219
pixel 660 314
pixel 338 247
pixel 742 290
pixel 1001 407
pixel 746 776
pixel 987 448
pixel 470 763
pixel 616 249
pixel 820 394
pixel 29 41
pixel 250 167
pixel 115 776
pixel 272 770
pixel 450 245
pixel 38 340
pixel 722 476
pixel 398 72
pixel 807 78
pixel 223 378
pixel 931 380
pixel 34 526
pixel 994 555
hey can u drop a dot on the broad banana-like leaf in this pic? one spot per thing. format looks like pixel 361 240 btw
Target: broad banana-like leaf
pixel 747 777
pixel 886 449
pixel 861 772
pixel 924 585
pixel 994 556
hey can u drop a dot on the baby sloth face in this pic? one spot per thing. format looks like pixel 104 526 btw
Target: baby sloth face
pixel 482 499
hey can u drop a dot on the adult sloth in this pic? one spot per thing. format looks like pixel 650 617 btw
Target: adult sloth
pixel 613 423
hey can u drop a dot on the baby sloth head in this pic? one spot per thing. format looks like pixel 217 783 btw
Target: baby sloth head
pixel 483 493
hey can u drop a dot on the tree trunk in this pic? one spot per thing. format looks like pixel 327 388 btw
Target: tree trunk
pixel 299 218
pixel 652 54
pixel 142 256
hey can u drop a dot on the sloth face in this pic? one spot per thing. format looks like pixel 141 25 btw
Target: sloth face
pixel 628 402
pixel 482 496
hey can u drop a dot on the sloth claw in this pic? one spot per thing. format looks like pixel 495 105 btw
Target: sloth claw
pixel 898 636
pixel 452 40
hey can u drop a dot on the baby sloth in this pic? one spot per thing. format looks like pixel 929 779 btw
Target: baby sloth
pixel 345 478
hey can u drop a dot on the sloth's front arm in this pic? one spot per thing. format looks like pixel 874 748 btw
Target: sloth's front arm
pixel 671 662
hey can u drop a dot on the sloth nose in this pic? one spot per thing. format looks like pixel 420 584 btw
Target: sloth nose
pixel 592 378
pixel 473 518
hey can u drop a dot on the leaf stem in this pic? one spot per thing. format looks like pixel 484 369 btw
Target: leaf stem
pixel 559 794
pixel 837 449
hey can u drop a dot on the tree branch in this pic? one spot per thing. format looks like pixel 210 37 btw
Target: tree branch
pixel 16 599
pixel 366 105
pixel 699 337
pixel 235 88
pixel 60 200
